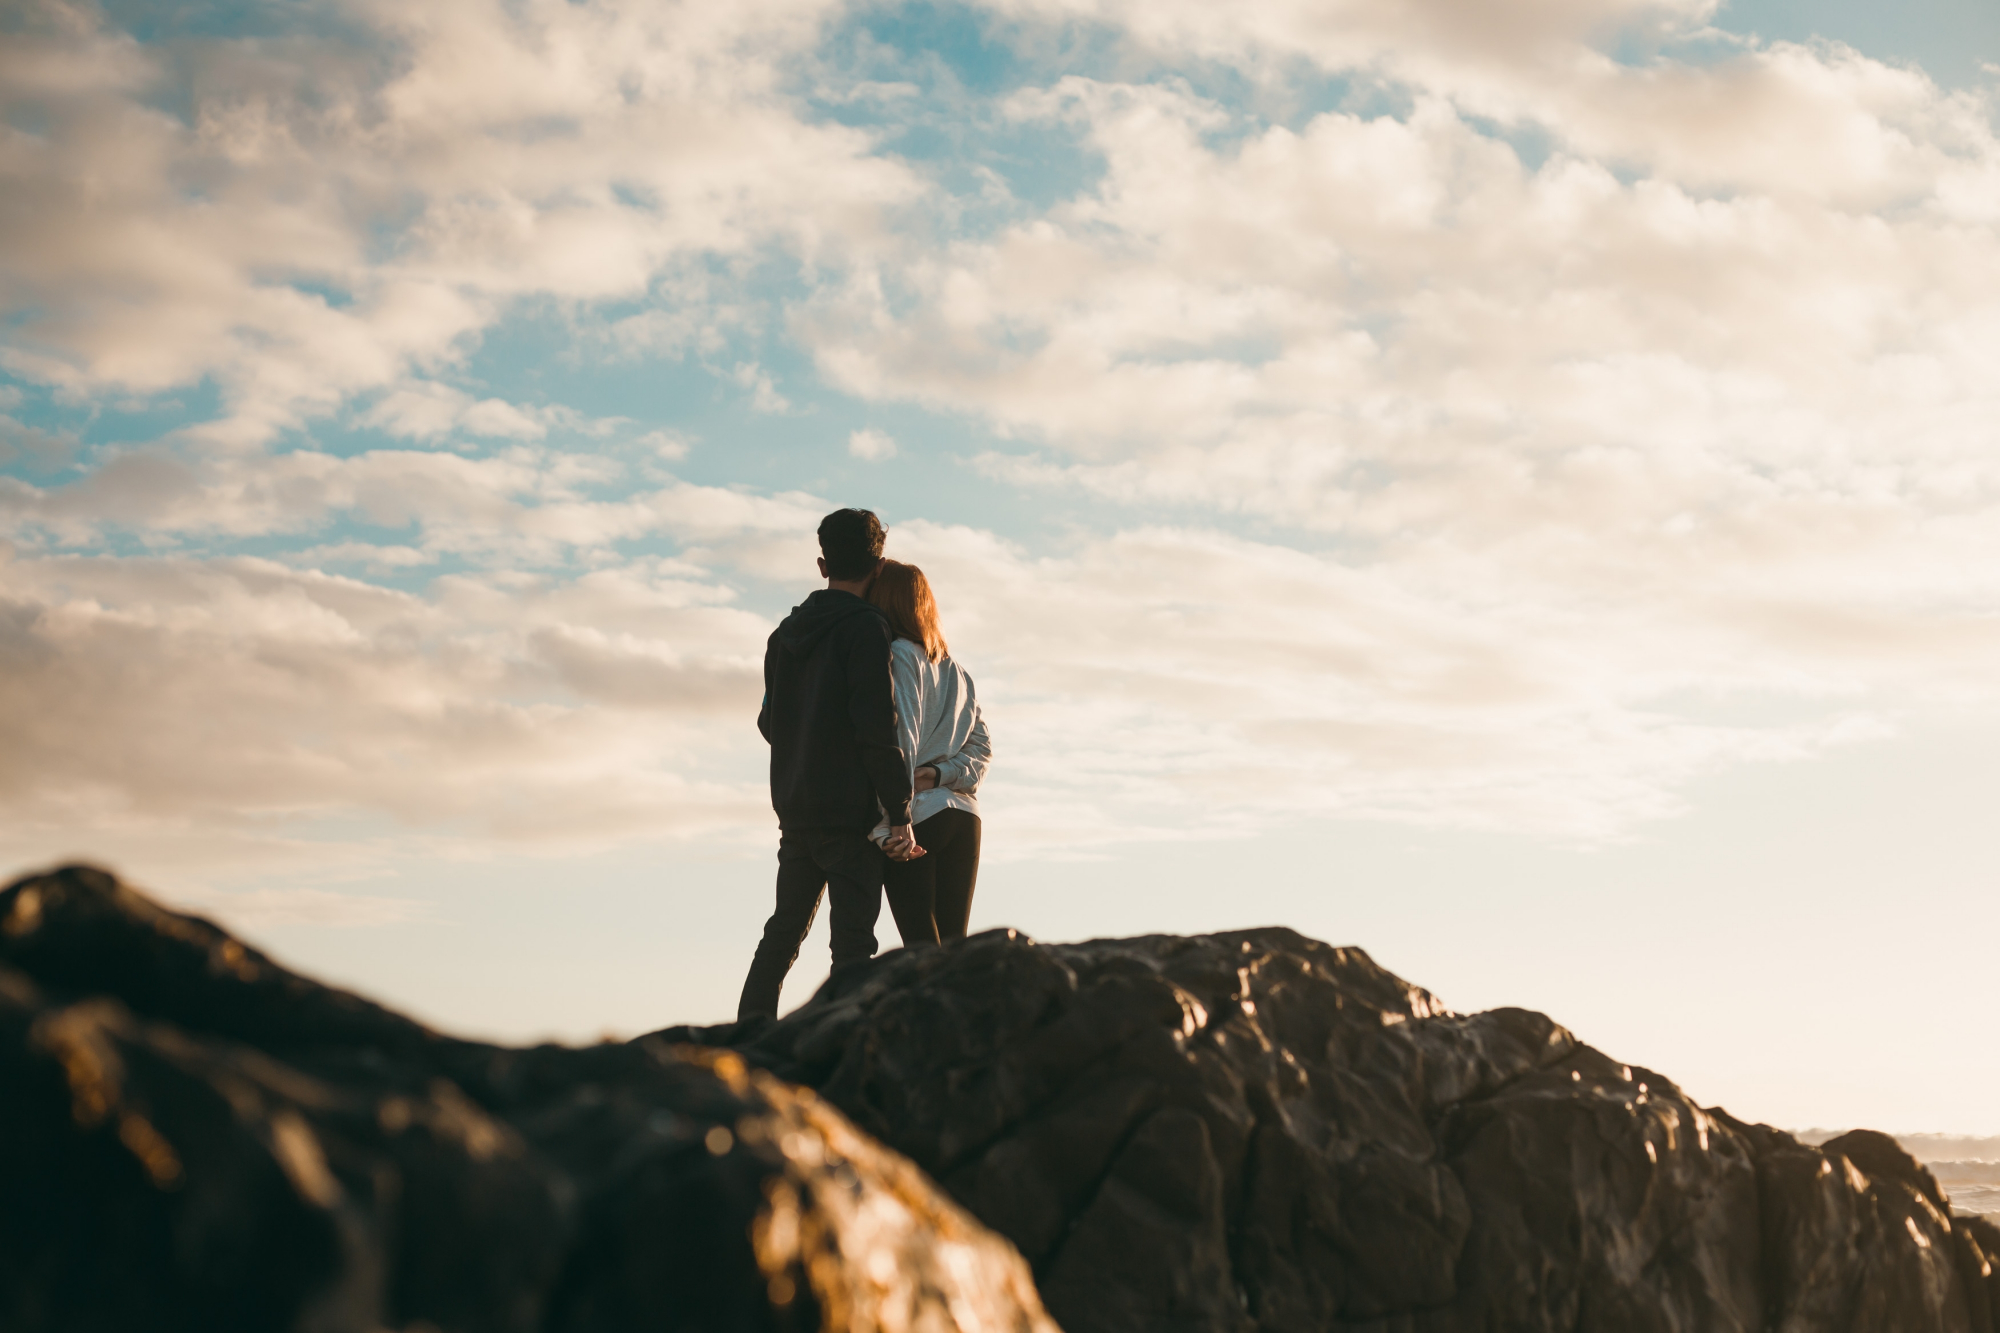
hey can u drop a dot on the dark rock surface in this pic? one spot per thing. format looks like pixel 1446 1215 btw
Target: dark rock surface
pixel 1248 1131
pixel 194 1139
pixel 1258 1131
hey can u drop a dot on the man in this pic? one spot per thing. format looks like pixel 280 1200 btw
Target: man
pixel 836 762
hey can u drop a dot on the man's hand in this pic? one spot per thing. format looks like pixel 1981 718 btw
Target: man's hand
pixel 901 844
pixel 927 778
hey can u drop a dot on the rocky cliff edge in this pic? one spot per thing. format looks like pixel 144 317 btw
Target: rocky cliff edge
pixel 1247 1131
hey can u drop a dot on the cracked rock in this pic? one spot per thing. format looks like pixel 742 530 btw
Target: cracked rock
pixel 1257 1131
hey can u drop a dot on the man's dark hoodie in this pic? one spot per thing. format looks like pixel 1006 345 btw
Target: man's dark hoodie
pixel 830 715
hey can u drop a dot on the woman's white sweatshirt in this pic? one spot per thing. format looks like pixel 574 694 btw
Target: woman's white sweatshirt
pixel 937 714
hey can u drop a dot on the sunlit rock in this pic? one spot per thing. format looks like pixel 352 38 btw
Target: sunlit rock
pixel 193 1138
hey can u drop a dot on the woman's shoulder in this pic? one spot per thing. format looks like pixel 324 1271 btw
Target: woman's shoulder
pixel 910 659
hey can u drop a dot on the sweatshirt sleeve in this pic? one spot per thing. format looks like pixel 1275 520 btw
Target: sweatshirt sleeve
pixel 909 706
pixel 965 770
pixel 871 705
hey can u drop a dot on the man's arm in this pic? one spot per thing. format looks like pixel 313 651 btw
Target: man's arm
pixel 764 706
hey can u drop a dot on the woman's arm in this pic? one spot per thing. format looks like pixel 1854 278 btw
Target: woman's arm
pixel 905 692
pixel 965 770
pixel 909 700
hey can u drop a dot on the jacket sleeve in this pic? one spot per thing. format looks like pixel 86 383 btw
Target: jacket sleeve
pixel 871 706
pixel 909 706
pixel 764 704
pixel 965 770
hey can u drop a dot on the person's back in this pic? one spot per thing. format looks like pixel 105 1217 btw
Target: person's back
pixel 837 761
pixel 945 737
pixel 943 730
pixel 833 745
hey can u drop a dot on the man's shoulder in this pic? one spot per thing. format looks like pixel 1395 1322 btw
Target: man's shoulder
pixel 865 619
pixel 828 614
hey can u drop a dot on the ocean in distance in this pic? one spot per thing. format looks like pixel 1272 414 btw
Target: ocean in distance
pixel 1967 1168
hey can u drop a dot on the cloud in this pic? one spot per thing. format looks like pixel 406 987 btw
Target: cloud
pixel 1165 683
pixel 871 446
pixel 665 445
pixel 1416 35
pixel 1505 445
pixel 1635 423
pixel 375 558
pixel 764 395
pixel 1181 682
pixel 40 449
pixel 1775 268
pixel 524 505
pixel 632 672
pixel 427 410
pixel 237 695
pixel 259 909
pixel 1701 107
pixel 333 211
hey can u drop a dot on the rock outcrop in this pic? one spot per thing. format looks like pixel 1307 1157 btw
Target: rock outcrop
pixel 1256 1131
pixel 193 1138
pixel 1248 1131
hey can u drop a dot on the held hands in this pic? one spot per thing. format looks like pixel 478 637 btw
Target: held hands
pixel 901 844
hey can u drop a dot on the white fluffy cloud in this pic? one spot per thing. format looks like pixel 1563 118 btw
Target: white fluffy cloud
pixel 1268 321
pixel 334 212
pixel 871 446
pixel 1527 435
pixel 521 506
pixel 1622 435
pixel 1182 682
pixel 242 697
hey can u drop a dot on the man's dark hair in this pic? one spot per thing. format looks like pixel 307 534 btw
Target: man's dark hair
pixel 851 540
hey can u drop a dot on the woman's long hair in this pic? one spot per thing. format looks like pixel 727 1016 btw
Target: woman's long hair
pixel 903 594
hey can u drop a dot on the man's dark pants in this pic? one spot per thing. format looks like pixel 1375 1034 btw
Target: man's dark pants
pixel 809 862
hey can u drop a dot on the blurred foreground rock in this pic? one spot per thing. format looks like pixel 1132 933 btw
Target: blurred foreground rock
pixel 1258 1131
pixel 194 1139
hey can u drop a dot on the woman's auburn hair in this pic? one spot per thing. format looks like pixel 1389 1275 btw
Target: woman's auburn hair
pixel 903 594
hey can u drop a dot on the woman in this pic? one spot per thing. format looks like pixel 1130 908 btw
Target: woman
pixel 945 737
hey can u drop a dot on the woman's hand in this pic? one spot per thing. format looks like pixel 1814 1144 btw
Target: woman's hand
pixel 927 777
pixel 901 844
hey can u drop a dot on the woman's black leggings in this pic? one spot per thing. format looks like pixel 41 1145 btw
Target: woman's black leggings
pixel 931 897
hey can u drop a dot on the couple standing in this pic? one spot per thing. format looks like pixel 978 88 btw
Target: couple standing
pixel 877 749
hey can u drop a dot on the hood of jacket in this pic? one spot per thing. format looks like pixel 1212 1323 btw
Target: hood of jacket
pixel 814 618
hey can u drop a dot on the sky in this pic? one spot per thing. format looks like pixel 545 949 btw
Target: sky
pixel 1515 490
